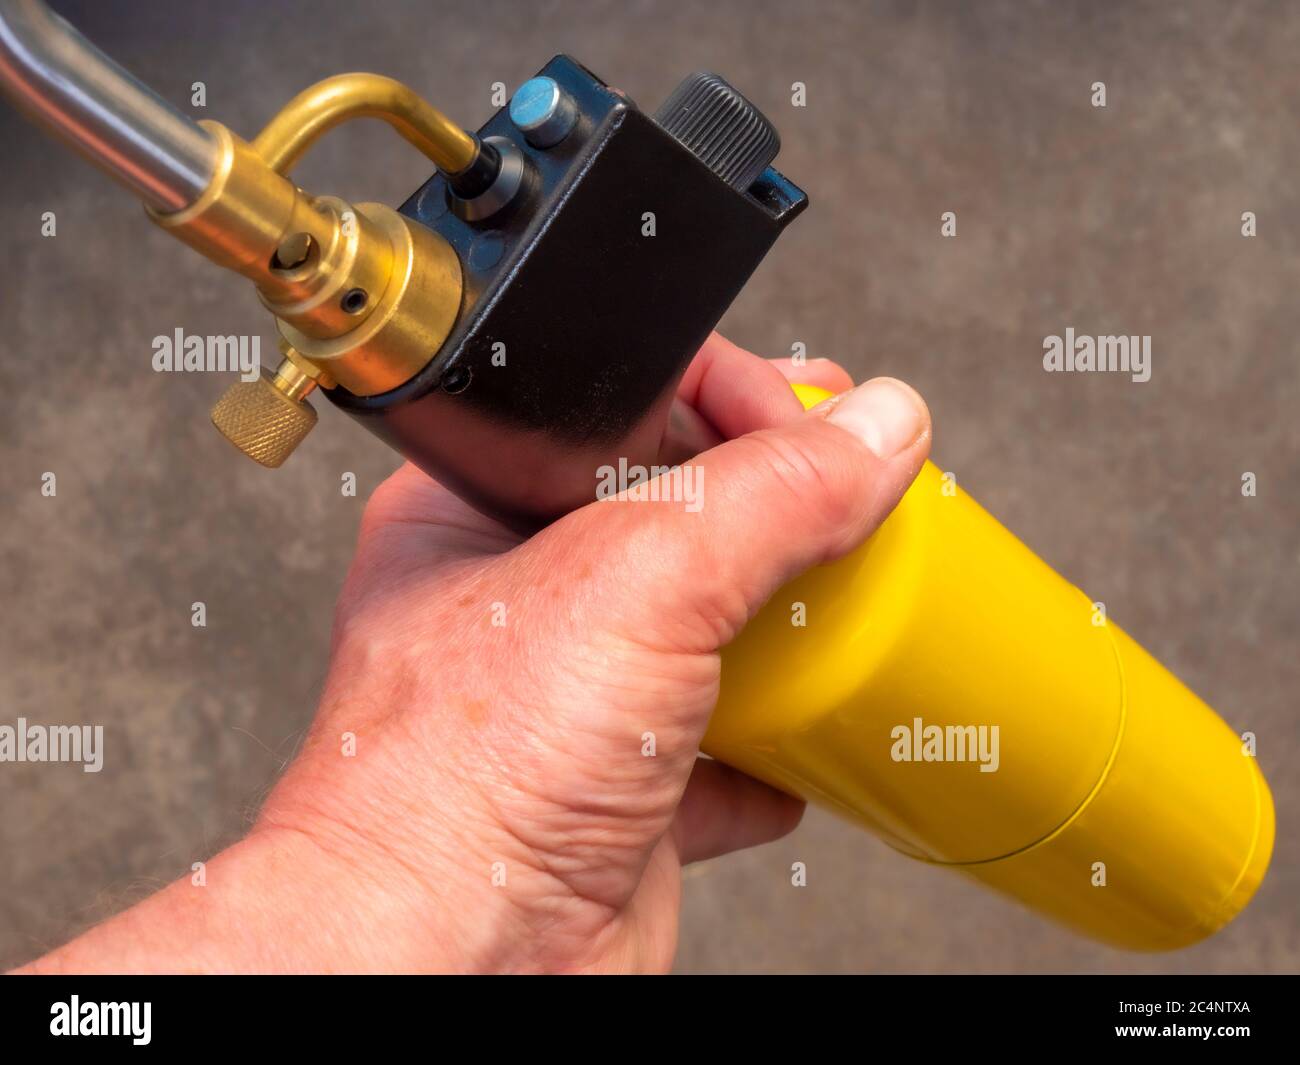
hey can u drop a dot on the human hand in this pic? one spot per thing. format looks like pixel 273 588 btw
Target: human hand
pixel 474 796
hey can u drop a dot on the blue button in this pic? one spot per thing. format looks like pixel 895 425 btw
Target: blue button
pixel 534 103
pixel 543 112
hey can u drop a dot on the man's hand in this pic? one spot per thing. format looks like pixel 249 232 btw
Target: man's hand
pixel 473 794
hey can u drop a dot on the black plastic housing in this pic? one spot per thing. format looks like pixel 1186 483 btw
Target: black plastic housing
pixel 597 320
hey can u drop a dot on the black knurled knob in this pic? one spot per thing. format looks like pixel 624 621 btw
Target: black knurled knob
pixel 724 130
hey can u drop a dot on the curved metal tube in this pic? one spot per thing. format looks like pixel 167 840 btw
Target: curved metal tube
pixel 321 107
pixel 122 126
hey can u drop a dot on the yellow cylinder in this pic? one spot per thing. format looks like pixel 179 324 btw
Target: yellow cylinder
pixel 943 687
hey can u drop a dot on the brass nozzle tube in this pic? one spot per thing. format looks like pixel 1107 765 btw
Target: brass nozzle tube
pixel 321 107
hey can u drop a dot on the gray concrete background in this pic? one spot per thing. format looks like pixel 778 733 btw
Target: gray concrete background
pixel 1121 220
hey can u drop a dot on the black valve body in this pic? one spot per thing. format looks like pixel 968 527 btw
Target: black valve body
pixel 576 324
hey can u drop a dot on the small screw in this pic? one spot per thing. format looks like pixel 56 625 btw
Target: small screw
pixel 293 251
pixel 455 380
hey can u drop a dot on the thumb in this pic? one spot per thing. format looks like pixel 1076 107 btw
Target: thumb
pixel 764 508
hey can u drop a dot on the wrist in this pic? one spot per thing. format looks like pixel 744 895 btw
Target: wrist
pixel 277 901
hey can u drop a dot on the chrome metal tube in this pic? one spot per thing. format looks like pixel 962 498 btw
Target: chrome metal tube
pixel 122 126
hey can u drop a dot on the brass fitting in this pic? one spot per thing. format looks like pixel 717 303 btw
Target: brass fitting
pixel 363 297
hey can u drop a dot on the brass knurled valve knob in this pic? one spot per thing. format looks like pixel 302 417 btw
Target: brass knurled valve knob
pixel 268 417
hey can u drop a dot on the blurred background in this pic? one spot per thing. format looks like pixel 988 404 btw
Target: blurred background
pixel 1124 219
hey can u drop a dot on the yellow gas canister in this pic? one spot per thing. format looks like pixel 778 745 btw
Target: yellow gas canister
pixel 943 687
